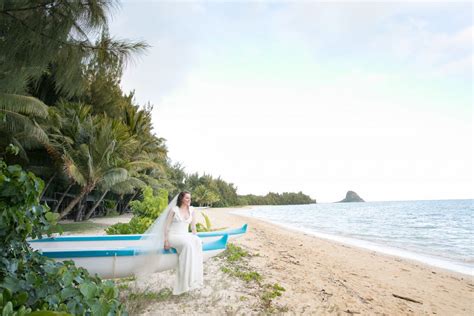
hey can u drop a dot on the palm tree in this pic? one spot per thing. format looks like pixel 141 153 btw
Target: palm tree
pixel 93 158
pixel 205 196
pixel 36 35
pixel 44 46
pixel 19 125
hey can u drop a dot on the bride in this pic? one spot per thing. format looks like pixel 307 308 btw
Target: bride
pixel 173 226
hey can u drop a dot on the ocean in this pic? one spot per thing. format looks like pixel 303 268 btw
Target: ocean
pixel 439 233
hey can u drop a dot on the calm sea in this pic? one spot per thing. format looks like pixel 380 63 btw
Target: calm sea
pixel 439 233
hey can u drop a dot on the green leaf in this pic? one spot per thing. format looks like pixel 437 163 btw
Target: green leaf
pixel 21 298
pixel 67 278
pixel 49 313
pixel 11 284
pixel 88 290
pixel 51 217
pixel 68 292
pixel 100 309
pixel 7 309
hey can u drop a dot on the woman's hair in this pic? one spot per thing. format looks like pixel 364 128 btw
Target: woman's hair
pixel 181 197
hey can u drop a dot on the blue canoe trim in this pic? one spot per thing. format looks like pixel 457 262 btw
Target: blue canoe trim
pixel 236 231
pixel 63 254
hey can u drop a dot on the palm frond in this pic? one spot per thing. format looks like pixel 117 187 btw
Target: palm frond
pixel 143 164
pixel 22 105
pixel 113 176
pixel 73 172
pixel 123 188
pixel 128 186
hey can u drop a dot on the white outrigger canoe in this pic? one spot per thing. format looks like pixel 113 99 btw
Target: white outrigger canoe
pixel 98 242
pixel 117 256
pixel 124 262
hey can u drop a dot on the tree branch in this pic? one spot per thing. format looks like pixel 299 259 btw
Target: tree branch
pixel 28 8
pixel 83 44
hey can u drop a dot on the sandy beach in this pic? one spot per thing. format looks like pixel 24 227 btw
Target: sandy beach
pixel 319 277
pixel 325 277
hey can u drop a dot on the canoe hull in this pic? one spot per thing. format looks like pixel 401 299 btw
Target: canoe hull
pixel 103 242
pixel 127 266
pixel 125 262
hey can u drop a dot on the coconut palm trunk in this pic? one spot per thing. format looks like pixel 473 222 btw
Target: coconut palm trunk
pixel 47 185
pixel 85 190
pixel 124 207
pixel 91 211
pixel 62 198
pixel 80 209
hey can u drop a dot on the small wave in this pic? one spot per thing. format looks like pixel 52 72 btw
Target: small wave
pixel 434 232
pixel 423 226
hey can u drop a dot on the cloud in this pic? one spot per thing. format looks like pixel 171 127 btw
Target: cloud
pixel 184 35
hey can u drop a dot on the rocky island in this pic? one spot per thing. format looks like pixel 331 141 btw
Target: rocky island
pixel 351 196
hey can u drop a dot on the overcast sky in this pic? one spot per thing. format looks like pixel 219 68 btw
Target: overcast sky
pixel 309 96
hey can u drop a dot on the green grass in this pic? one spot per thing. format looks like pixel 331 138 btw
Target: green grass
pixel 246 276
pixel 78 227
pixel 270 292
pixel 235 253
pixel 236 265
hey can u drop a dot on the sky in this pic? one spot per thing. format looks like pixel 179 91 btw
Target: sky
pixel 320 97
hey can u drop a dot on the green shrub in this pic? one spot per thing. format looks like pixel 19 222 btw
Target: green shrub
pixel 137 225
pixel 207 227
pixel 21 214
pixel 271 292
pixel 29 281
pixel 145 213
pixel 152 205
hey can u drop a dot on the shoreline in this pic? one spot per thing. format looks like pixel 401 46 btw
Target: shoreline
pixel 328 277
pixel 431 261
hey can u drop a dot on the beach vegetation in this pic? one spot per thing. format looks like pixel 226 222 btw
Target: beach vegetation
pixel 215 192
pixel 246 276
pixel 210 191
pixel 270 292
pixel 204 196
pixel 62 107
pixel 30 281
pixel 206 226
pixel 234 253
pixel 207 220
pixel 145 211
pixel 237 265
pixel 285 198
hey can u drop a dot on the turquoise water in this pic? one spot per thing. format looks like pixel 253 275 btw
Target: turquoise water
pixel 440 233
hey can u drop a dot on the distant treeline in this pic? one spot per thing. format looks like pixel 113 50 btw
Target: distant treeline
pixel 208 191
pixel 286 198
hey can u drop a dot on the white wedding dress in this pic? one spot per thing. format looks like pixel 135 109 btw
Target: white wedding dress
pixel 189 247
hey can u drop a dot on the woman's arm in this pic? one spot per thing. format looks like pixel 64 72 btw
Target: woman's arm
pixel 169 219
pixel 193 223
